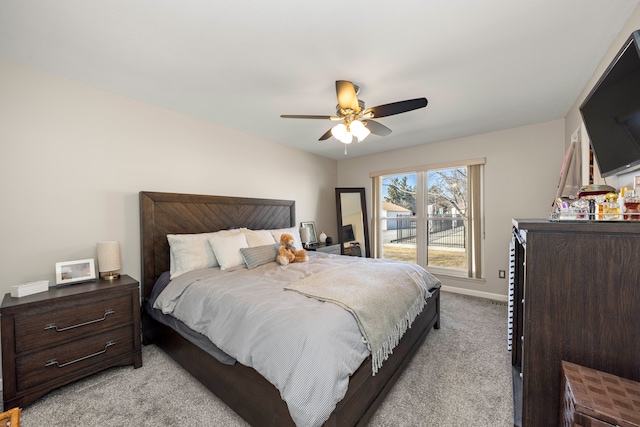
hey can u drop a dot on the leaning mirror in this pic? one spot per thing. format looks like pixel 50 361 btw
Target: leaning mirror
pixel 353 229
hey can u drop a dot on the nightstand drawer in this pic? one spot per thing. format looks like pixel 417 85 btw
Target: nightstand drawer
pixel 330 249
pixel 67 324
pixel 327 249
pixel 53 363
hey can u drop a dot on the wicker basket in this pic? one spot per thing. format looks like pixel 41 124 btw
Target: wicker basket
pixel 592 398
pixel 10 418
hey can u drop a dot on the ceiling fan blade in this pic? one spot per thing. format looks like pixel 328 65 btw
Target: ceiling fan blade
pixel 300 116
pixel 397 107
pixel 377 128
pixel 326 135
pixel 347 98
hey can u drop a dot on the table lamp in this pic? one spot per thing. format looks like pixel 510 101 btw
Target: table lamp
pixel 108 259
pixel 305 235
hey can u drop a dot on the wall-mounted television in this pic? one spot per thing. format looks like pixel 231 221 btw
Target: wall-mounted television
pixel 611 112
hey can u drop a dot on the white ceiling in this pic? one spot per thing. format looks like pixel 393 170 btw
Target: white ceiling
pixel 483 65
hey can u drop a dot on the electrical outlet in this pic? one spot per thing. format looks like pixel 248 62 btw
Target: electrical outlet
pixel 502 274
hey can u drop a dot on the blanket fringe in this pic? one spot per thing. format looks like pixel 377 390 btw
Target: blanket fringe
pixel 378 357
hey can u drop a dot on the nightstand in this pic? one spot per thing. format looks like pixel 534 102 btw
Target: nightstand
pixel 53 338
pixel 327 249
pixel 353 249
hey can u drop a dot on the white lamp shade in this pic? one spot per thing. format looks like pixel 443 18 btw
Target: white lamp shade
pixel 359 130
pixel 340 133
pixel 305 234
pixel 108 256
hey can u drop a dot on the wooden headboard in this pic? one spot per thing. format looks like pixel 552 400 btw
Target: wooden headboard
pixel 174 213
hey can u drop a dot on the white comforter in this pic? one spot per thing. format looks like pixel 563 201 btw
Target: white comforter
pixel 306 348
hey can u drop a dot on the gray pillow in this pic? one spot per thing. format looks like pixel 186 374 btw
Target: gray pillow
pixel 259 255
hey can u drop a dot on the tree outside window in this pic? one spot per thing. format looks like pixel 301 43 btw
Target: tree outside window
pixel 444 217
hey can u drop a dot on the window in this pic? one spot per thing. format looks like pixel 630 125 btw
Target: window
pixel 430 216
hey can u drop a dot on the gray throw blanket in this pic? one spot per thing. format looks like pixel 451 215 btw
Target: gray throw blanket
pixel 383 297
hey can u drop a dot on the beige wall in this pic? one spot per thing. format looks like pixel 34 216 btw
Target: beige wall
pixel 73 159
pixel 520 180
pixel 521 173
pixel 573 118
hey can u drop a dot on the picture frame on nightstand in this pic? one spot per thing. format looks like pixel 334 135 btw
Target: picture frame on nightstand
pixel 78 271
pixel 311 225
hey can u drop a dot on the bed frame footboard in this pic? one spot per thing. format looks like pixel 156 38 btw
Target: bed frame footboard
pixel 257 401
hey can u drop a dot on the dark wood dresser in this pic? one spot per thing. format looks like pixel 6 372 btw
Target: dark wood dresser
pixel 52 338
pixel 576 298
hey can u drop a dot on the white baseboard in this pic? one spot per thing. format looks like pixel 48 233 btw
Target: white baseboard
pixel 470 292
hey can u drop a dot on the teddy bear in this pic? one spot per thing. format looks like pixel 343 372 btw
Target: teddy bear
pixel 287 252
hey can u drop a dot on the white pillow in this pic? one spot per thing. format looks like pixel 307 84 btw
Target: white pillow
pixel 294 231
pixel 258 237
pixel 227 249
pixel 192 251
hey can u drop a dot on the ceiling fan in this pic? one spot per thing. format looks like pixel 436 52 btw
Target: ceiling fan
pixel 354 119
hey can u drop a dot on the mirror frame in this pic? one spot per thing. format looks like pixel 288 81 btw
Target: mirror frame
pixel 365 217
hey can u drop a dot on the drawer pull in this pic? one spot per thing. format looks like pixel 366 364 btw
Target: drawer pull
pixel 54 326
pixel 55 361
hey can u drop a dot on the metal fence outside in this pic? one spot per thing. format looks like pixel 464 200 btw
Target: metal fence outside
pixel 446 233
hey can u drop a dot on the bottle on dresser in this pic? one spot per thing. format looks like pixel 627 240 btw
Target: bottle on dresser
pixel 631 202
pixel 621 199
pixel 611 207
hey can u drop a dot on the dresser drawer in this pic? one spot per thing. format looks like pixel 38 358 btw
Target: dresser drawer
pixel 68 359
pixel 67 324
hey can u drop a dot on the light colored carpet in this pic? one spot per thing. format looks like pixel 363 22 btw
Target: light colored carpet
pixel 461 376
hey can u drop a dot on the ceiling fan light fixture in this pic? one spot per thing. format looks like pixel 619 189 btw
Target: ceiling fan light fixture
pixel 341 133
pixel 354 119
pixel 359 130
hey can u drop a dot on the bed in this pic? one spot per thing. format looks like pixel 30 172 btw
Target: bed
pixel 242 388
